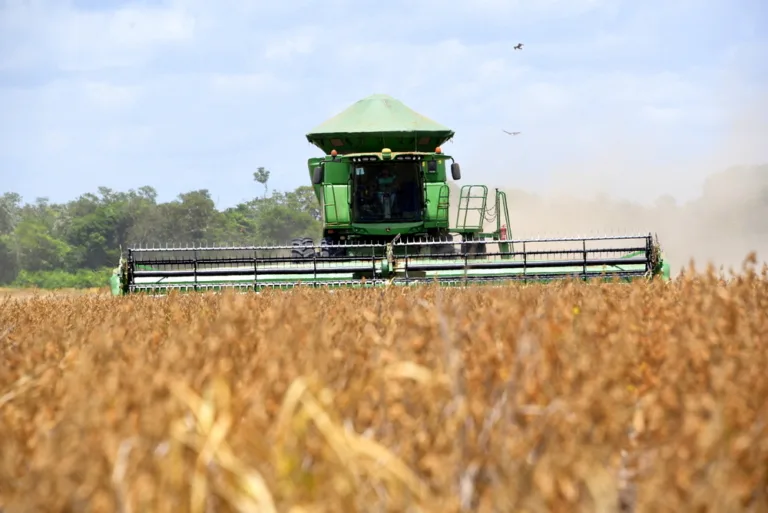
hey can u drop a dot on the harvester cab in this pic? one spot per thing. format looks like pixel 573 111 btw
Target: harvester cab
pixel 383 189
pixel 374 196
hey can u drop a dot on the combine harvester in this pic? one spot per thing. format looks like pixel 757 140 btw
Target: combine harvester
pixel 384 195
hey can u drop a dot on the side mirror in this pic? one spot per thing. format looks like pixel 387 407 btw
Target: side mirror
pixel 317 175
pixel 456 171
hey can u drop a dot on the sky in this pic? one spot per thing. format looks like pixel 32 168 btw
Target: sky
pixel 636 99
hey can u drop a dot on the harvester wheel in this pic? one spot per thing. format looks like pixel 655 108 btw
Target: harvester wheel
pixel 303 248
pixel 329 248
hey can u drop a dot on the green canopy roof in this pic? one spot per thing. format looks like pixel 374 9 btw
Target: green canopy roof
pixel 376 122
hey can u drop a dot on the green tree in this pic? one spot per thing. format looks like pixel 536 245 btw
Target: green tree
pixel 75 243
pixel 278 224
pixel 239 225
pixel 9 260
pixel 192 219
pixel 261 175
pixel 10 210
pixel 38 249
pixel 303 200
pixel 284 216
pixel 10 214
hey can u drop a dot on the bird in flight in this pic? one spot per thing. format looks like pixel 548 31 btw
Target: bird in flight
pixel 519 46
pixel 510 133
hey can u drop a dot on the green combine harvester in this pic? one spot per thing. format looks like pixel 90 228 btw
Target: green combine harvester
pixel 384 195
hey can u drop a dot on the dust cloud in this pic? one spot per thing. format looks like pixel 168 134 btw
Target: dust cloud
pixel 721 225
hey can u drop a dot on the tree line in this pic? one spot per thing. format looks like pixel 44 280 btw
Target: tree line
pixel 78 243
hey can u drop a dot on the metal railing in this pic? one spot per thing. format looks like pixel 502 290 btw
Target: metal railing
pixel 405 260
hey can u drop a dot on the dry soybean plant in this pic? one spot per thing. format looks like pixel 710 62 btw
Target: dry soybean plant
pixel 648 397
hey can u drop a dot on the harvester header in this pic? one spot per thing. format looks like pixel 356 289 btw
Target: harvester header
pixel 382 185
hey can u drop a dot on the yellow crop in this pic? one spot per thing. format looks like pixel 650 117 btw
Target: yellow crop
pixel 567 397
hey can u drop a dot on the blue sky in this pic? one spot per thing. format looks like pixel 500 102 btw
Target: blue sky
pixel 637 99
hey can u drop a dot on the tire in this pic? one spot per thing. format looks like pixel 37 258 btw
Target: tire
pixel 303 248
pixel 329 248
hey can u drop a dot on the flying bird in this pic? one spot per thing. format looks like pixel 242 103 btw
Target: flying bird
pixel 510 133
pixel 519 46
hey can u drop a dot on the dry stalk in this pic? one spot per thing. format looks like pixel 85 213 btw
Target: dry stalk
pixel 475 399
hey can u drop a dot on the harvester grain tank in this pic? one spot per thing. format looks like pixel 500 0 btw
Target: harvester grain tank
pixel 382 186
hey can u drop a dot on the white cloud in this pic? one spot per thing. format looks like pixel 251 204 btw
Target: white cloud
pixel 284 47
pixel 189 93
pixel 125 138
pixel 502 10
pixel 104 94
pixel 55 140
pixel 248 83
pixel 74 40
pixel 662 115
